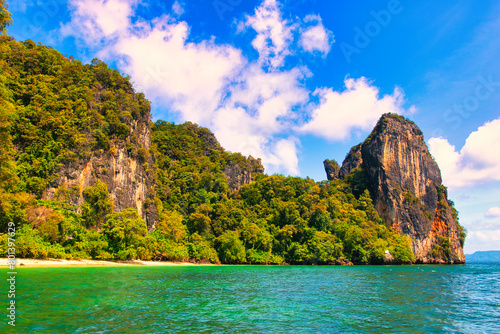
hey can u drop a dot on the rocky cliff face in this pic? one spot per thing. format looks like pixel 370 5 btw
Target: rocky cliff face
pixel 332 169
pixel 405 183
pixel 353 160
pixel 238 174
pixel 127 168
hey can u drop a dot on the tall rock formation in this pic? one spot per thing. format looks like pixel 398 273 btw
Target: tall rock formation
pixel 405 183
pixel 127 168
pixel 332 169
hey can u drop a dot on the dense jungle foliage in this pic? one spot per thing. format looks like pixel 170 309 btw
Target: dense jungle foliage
pixel 54 110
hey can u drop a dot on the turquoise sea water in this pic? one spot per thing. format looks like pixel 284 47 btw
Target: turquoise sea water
pixel 258 299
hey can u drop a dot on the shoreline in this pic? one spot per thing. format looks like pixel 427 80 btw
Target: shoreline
pixel 31 263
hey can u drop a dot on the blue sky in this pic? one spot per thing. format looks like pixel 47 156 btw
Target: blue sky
pixel 295 82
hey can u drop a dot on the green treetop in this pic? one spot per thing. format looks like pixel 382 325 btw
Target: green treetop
pixel 5 18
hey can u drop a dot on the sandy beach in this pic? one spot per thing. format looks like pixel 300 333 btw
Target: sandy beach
pixel 89 263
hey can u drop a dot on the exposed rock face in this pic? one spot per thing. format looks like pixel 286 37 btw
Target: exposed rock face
pixel 353 160
pixel 405 183
pixel 332 169
pixel 238 174
pixel 127 168
pixel 211 143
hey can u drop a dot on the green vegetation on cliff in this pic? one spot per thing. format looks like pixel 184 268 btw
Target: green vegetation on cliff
pixel 56 110
pixel 60 109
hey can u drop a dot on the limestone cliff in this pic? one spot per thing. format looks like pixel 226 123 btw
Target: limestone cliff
pixel 353 160
pixel 127 168
pixel 405 183
pixel 332 169
pixel 240 173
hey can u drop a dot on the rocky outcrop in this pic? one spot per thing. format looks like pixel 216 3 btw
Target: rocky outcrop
pixel 242 172
pixel 352 161
pixel 405 183
pixel 127 168
pixel 332 169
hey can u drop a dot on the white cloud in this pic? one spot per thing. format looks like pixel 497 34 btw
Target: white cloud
pixel 177 8
pixel 486 235
pixel 259 108
pixel 189 77
pixel 238 131
pixel 357 107
pixel 493 212
pixel 274 34
pixel 94 20
pixel 478 161
pixel 316 37
pixel 483 240
pixel 270 96
pixel 286 153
